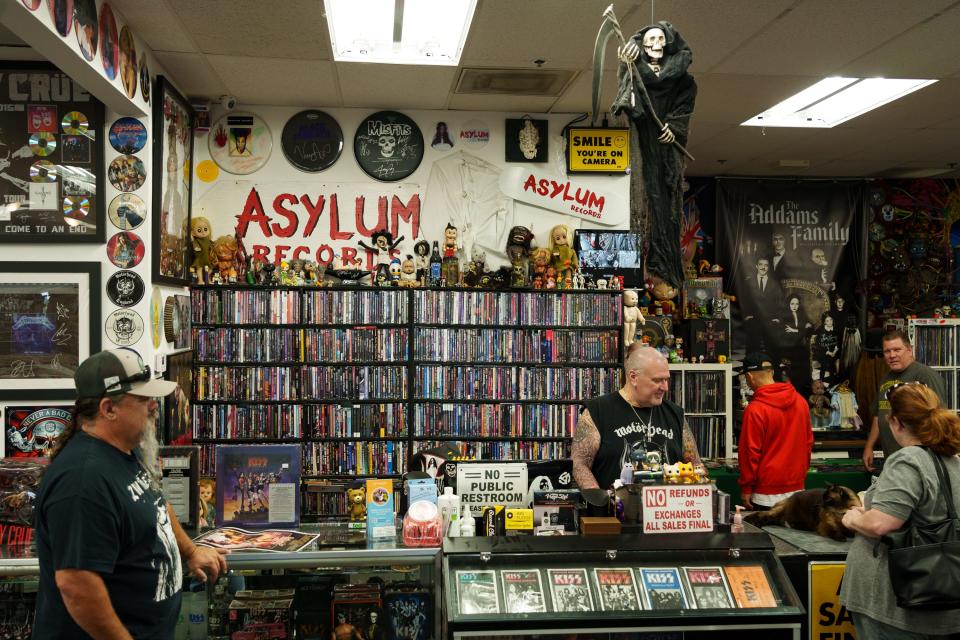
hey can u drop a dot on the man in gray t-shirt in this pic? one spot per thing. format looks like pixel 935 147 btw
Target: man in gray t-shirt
pixel 898 354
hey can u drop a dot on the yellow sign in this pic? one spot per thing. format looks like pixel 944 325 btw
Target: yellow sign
pixel 598 150
pixel 828 618
pixel 519 520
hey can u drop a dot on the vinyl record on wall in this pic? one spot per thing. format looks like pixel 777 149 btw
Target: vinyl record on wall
pixel 86 28
pixel 128 62
pixel 125 288
pixel 156 317
pixel 124 327
pixel 127 173
pixel 128 135
pixel 240 143
pixel 312 141
pixel 109 49
pixel 127 211
pixel 388 146
pixel 144 79
pixel 125 249
pixel 61 13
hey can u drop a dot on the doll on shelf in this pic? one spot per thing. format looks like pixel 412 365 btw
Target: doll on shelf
pixel 450 266
pixel 208 505
pixel 225 252
pixel 383 244
pixel 631 316
pixel 408 272
pixel 540 259
pixel 562 256
pixel 201 241
pixel 421 260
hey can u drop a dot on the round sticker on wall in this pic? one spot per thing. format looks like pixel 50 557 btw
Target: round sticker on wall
pixel 156 316
pixel 128 135
pixel 474 133
pixel 127 211
pixel 85 26
pixel 109 51
pixel 388 146
pixel 128 62
pixel 124 327
pixel 125 288
pixel 61 13
pixel 208 171
pixel 125 249
pixel 312 141
pixel 240 143
pixel 144 79
pixel 441 138
pixel 127 173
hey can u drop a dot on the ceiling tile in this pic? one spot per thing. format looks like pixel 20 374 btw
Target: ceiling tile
pixel 475 102
pixel 157 24
pixel 822 36
pixel 192 74
pixel 390 86
pixel 291 29
pixel 278 81
pixel 732 99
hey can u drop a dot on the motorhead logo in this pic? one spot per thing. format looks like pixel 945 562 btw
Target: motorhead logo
pixel 124 327
pixel 125 288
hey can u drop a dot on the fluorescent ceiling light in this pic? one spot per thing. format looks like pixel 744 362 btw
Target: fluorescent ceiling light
pixel 834 100
pixel 399 31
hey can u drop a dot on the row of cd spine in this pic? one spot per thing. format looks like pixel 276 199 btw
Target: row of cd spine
pixel 518 450
pixel 516 308
pixel 291 306
pixel 354 458
pixel 495 420
pixel 514 382
pixel 303 383
pixel 466 344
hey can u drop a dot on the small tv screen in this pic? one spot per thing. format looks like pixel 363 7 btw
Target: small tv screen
pixel 611 253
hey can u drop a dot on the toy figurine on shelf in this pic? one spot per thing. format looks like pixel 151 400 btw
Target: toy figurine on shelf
pixel 383 244
pixel 225 252
pixel 550 281
pixel 267 272
pixel 664 295
pixel 421 259
pixel 476 268
pixel 395 269
pixel 381 277
pixel 562 256
pixel 450 266
pixel 579 282
pixel 519 245
pixel 819 405
pixel 310 272
pixel 539 260
pixel 357 504
pixel 631 317
pixel 408 272
pixel 201 239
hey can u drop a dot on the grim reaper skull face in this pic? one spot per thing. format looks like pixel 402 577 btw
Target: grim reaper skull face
pixel 653 42
pixel 45 433
pixel 388 144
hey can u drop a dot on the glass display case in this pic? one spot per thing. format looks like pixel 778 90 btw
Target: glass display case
pixel 705 585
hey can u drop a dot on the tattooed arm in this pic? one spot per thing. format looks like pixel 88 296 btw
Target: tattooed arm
pixel 690 453
pixel 586 443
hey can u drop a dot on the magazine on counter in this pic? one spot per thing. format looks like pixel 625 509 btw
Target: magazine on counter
pixel 708 587
pixel 617 589
pixel 477 592
pixel 662 587
pixel 523 591
pixel 570 590
pixel 275 540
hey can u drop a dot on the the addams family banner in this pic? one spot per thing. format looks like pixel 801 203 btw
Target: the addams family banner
pixel 795 252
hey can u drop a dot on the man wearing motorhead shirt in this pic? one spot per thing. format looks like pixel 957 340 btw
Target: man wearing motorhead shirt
pixel 638 415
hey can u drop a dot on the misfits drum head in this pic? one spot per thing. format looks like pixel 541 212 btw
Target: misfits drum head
pixel 388 146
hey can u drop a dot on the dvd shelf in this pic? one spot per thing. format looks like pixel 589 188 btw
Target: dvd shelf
pixel 936 343
pixel 705 391
pixel 363 378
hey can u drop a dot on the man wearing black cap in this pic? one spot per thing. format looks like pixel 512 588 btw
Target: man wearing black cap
pixel 776 437
pixel 109 546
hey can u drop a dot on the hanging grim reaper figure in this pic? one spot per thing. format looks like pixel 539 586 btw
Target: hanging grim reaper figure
pixel 659 100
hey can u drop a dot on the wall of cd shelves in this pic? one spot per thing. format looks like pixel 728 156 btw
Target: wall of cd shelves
pixel 936 343
pixel 705 391
pixel 364 377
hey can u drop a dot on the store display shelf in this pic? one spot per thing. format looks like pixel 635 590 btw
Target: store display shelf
pixel 518 325
pixel 401 438
pixel 343 402
pixel 493 438
pixel 493 401
pixel 305 363
pixel 299 325
pixel 552 365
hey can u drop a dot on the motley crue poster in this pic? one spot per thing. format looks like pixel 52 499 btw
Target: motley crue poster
pixel 794 251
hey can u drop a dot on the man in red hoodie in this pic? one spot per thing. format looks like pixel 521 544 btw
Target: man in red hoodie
pixel 775 439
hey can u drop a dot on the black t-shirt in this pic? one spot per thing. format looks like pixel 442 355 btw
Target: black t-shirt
pixel 97 512
pixel 622 429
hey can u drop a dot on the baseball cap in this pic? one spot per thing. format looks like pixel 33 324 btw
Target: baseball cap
pixel 756 361
pixel 118 371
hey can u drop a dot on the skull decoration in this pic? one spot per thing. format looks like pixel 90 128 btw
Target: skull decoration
pixel 529 139
pixel 887 212
pixel 653 42
pixel 45 433
pixel 125 286
pixel 388 145
pixel 124 328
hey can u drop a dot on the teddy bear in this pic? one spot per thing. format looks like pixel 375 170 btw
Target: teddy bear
pixel 357 504
pixel 819 405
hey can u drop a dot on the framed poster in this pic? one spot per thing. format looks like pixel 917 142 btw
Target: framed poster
pixel 51 157
pixel 176 412
pixel 526 140
pixel 173 119
pixel 258 485
pixel 31 430
pixel 49 323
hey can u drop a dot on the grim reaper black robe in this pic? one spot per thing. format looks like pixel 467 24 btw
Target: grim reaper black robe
pixel 659 197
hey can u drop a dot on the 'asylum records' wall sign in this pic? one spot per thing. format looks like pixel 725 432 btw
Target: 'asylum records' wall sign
pixel 388 146
pixel 312 141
